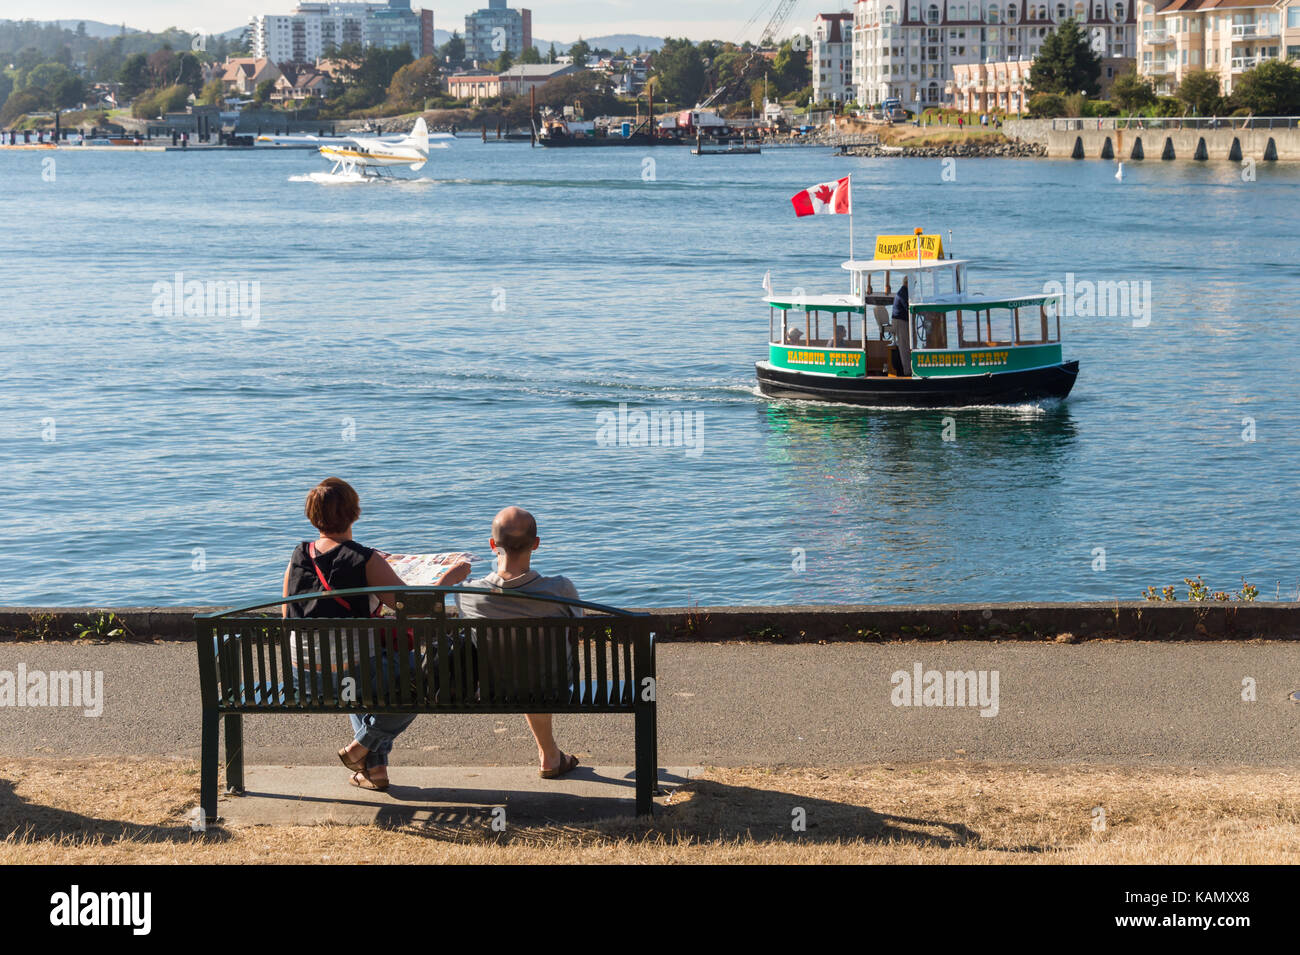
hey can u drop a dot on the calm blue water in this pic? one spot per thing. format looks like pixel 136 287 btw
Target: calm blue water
pixel 471 327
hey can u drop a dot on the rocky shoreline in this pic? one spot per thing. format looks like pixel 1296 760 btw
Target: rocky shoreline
pixel 1011 149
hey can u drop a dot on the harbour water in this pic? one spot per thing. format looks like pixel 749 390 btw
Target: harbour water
pixel 463 341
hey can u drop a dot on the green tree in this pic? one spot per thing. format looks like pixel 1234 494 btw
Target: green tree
pixel 550 57
pixel 1199 90
pixel 453 51
pixel 189 71
pixel 214 94
pixel 170 99
pixel 790 68
pixel 6 86
pixel 163 67
pixel 503 62
pixel 1046 106
pixel 415 83
pixel 1270 89
pixel 680 71
pixel 134 75
pixel 19 103
pixel 580 52
pixel 262 95
pixel 530 56
pixel 1066 63
pixel 1132 93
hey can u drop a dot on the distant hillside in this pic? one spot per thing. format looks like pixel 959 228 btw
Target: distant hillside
pixel 94 28
pixel 628 41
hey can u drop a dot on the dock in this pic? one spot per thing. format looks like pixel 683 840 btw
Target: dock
pixel 743 150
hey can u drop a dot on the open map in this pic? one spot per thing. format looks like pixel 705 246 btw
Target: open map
pixel 423 570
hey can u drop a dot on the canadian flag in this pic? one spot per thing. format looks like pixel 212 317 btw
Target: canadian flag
pixel 828 198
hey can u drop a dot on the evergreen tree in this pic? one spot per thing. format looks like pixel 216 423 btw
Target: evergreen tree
pixel 1066 63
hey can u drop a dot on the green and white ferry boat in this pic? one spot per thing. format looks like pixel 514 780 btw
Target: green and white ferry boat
pixel 956 347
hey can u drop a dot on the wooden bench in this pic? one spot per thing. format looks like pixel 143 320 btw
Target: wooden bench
pixel 251 660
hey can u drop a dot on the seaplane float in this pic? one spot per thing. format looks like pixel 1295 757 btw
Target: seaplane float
pixel 369 158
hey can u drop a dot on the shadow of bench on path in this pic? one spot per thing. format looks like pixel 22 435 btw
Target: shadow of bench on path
pixel 21 820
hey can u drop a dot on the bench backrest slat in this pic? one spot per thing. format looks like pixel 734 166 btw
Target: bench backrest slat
pixel 572 663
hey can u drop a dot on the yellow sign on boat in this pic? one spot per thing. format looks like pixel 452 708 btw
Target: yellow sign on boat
pixel 904 246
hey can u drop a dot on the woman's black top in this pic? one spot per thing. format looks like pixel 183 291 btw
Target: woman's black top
pixel 344 568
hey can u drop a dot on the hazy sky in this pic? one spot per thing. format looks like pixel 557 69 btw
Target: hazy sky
pixel 561 20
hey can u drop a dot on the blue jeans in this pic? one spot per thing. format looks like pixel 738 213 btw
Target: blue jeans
pixel 375 731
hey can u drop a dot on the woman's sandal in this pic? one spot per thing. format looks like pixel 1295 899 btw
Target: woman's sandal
pixel 567 765
pixel 365 782
pixel 357 767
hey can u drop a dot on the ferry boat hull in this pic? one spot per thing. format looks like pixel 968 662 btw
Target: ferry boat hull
pixel 956 391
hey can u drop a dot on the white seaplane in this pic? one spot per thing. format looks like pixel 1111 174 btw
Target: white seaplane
pixel 366 158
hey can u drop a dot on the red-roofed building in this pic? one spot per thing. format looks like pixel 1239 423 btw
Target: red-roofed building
pixel 831 58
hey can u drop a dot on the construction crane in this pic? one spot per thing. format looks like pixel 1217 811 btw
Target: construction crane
pixel 780 17
pixel 778 21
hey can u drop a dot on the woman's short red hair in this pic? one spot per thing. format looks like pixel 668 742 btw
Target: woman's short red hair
pixel 333 506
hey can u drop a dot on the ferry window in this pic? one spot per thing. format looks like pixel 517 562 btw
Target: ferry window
pixel 999 327
pixel 970 326
pixel 931 330
pixel 1031 327
pixel 1052 319
pixel 818 327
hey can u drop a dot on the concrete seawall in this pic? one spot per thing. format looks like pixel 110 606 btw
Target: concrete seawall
pixel 1199 144
pixel 1132 620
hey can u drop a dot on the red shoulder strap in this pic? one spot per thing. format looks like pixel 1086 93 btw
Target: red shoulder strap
pixel 311 552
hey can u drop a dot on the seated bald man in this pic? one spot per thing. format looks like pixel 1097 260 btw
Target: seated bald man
pixel 514 538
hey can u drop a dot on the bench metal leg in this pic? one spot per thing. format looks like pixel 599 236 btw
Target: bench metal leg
pixel 647 760
pixel 208 764
pixel 235 753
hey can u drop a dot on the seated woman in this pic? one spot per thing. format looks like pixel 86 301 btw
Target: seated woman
pixel 336 562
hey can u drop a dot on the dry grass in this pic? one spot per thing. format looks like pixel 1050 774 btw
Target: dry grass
pixel 102 811
pixel 938 136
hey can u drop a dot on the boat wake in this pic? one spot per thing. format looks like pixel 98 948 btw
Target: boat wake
pixel 1025 409
pixel 333 179
pixel 356 179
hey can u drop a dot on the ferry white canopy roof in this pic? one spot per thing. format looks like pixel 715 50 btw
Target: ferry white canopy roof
pixel 900 265
pixel 827 302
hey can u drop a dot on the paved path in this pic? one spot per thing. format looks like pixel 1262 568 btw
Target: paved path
pixel 1177 704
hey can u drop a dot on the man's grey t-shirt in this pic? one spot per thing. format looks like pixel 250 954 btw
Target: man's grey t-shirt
pixel 493 606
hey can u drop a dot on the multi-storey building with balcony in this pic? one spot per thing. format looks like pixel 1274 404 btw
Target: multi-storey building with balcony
pixel 909 49
pixel 1226 37
pixel 313 28
pixel 831 58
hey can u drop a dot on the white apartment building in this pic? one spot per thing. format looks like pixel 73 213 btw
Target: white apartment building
pixel 907 49
pixel 1227 37
pixel 831 58
pixel 304 35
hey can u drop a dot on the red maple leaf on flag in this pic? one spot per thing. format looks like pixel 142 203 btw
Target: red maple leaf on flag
pixel 824 194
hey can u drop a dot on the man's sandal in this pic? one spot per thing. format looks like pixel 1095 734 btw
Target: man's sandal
pixel 567 765
pixel 362 780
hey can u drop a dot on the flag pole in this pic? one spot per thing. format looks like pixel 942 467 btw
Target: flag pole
pixel 850 217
